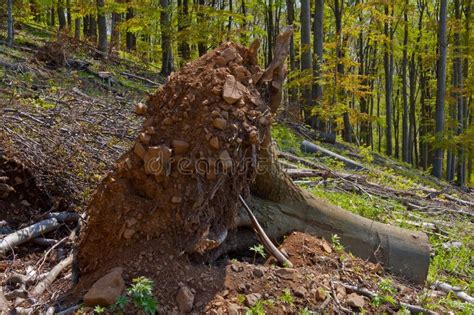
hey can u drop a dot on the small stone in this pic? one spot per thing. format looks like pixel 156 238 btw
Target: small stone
pixel 214 143
pixel 139 150
pixel 167 121
pixel 300 292
pixel 355 300
pixel 241 288
pixel 105 291
pixel 326 247
pixel 128 233
pixel 233 90
pixel 233 309
pixel 180 146
pixel 131 222
pixel 185 299
pixel 252 298
pixel 225 160
pixel 25 203
pixel 220 61
pixel 258 272
pixel 144 137
pixel 236 268
pixel 140 109
pixel 229 54
pixel 286 273
pixel 176 199
pixel 340 292
pixel 219 123
pixel 321 294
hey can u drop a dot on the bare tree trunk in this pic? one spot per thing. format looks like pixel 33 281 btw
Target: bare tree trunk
pixel 102 22
pixel 441 90
pixel 61 15
pixel 77 28
pixel 202 45
pixel 318 37
pixel 294 109
pixel 10 32
pixel 388 86
pixel 183 24
pixel 270 31
pixel 405 128
pixel 306 58
pixel 69 14
pixel 166 56
pixel 131 39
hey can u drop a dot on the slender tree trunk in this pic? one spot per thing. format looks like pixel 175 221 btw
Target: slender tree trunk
pixel 93 28
pixel 102 23
pixel 61 15
pixel 294 110
pixel 306 58
pixel 405 130
pixel 86 27
pixel 270 30
pixel 166 56
pixel 318 37
pixel 388 86
pixel 77 28
pixel 131 39
pixel 10 31
pixel 69 14
pixel 412 136
pixel 184 49
pixel 53 16
pixel 202 44
pixel 441 90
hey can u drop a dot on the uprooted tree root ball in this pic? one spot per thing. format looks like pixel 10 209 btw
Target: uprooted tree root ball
pixel 197 151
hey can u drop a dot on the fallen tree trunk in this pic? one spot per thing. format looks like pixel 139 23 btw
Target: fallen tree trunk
pixel 149 196
pixel 51 276
pixel 309 147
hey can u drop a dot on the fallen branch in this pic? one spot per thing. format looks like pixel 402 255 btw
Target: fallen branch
pixel 412 308
pixel 309 147
pixel 267 243
pixel 4 307
pixel 447 288
pixel 33 231
pixel 52 275
pixel 134 76
pixel 24 235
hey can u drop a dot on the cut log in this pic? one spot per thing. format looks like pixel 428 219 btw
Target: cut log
pixel 309 147
pixel 447 288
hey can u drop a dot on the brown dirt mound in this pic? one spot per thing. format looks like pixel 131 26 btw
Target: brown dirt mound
pixel 195 154
pixel 53 54
pixel 232 285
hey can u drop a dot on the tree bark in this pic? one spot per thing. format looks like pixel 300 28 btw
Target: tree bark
pixel 306 58
pixel 183 24
pixel 102 23
pixel 10 32
pixel 77 28
pixel 294 110
pixel 441 90
pixel 131 39
pixel 61 15
pixel 166 56
pixel 405 130
pixel 388 85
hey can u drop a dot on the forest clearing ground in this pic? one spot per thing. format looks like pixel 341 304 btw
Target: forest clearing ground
pixel 77 128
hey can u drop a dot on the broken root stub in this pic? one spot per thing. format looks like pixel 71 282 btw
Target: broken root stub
pixel 195 154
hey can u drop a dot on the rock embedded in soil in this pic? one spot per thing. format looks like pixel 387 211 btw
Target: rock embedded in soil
pixel 233 90
pixel 180 146
pixel 185 299
pixel 355 300
pixel 286 273
pixel 258 272
pixel 140 109
pixel 219 123
pixel 214 143
pixel 105 291
pixel 320 294
pixel 252 298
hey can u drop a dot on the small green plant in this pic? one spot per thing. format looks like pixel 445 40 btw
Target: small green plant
pixel 258 250
pixel 142 296
pixel 304 311
pixel 286 297
pixel 99 309
pixel 257 309
pixel 336 242
pixel 241 298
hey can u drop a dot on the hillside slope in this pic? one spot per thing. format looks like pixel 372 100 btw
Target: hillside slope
pixel 64 126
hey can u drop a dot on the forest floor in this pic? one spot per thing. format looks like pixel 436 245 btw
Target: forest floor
pixel 63 127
